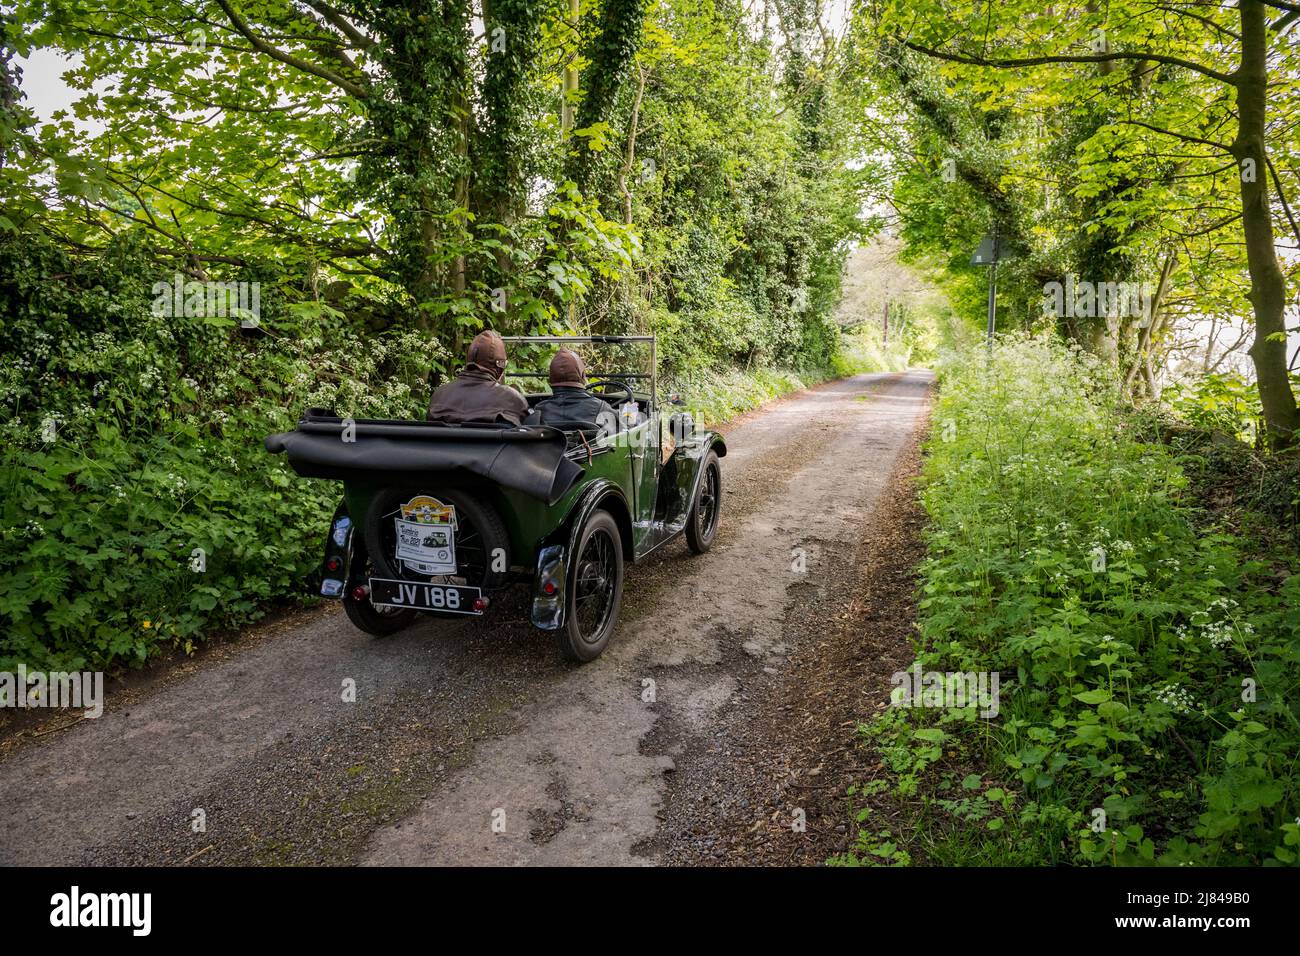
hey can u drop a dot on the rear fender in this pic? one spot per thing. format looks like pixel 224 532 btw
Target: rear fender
pixel 602 493
pixel 558 547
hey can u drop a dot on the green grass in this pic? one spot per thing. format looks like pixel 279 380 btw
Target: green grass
pixel 864 350
pixel 720 396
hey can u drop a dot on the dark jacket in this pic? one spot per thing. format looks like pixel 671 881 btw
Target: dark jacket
pixel 571 408
pixel 475 396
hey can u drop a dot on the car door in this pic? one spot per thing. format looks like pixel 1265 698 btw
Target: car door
pixel 644 456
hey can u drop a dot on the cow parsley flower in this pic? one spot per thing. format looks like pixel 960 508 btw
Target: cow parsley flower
pixel 1176 698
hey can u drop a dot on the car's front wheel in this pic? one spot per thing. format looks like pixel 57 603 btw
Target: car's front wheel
pixel 594 591
pixel 702 522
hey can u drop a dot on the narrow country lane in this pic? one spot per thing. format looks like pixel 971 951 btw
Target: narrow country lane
pixel 471 742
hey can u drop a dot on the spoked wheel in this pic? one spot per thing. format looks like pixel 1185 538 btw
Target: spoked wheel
pixel 482 546
pixel 702 522
pixel 594 589
pixel 379 621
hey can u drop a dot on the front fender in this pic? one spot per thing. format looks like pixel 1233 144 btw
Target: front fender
pixel 681 478
pixel 713 444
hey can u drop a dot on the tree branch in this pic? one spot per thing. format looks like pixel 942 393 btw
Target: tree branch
pixel 1017 62
pixel 1222 147
pixel 1286 207
pixel 1196 16
pixel 349 87
pixel 340 23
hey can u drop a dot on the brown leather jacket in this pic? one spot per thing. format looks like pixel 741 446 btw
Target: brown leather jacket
pixel 475 396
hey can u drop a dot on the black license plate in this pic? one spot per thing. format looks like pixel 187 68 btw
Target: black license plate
pixel 448 598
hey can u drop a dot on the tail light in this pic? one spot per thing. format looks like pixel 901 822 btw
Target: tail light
pixel 334 562
pixel 481 603
pixel 360 592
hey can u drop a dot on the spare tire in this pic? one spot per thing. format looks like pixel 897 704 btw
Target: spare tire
pixel 482 547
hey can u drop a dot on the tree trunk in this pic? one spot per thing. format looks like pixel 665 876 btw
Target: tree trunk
pixel 1148 333
pixel 629 157
pixel 1267 284
pixel 455 16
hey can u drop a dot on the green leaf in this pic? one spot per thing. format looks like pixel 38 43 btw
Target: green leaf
pixel 1093 696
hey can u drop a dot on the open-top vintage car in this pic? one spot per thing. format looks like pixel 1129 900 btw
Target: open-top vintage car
pixel 441 518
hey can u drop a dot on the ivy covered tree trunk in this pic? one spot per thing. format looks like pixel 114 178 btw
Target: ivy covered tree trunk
pixel 420 116
pixel 501 149
pixel 971 144
pixel 609 54
pixel 1267 284
pixel 9 93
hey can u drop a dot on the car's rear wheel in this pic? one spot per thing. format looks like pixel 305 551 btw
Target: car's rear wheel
pixel 594 591
pixel 482 545
pixel 379 621
pixel 702 522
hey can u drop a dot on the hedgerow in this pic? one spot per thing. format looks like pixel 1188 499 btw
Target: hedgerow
pixel 1148 665
pixel 140 510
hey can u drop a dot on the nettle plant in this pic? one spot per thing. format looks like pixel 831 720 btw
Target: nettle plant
pixel 1149 669
pixel 147 513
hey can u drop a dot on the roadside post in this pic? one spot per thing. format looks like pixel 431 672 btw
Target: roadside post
pixel 988 253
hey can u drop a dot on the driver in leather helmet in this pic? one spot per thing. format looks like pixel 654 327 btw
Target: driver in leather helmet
pixel 476 395
pixel 571 407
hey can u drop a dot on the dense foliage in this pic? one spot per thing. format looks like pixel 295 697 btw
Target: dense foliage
pixel 139 511
pixel 1148 663
pixel 392 183
pixel 1106 144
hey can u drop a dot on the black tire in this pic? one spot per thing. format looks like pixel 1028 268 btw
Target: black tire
pixel 479 534
pixel 706 510
pixel 594 589
pixel 379 621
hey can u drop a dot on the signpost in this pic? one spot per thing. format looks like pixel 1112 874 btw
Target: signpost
pixel 989 252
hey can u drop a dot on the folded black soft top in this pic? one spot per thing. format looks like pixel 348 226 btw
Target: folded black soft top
pixel 528 459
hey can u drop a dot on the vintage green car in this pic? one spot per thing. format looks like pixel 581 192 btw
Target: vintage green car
pixel 441 518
